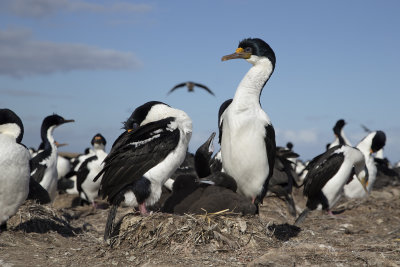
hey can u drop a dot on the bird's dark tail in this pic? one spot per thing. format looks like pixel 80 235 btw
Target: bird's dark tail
pixel 110 222
pixel 109 230
pixel 302 216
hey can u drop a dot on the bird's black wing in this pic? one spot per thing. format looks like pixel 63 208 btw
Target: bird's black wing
pixel 204 87
pixel 221 111
pixel 176 87
pixel 134 154
pixel 37 192
pixel 83 172
pixel 37 165
pixel 270 146
pixel 323 168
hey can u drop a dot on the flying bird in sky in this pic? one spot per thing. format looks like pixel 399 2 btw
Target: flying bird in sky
pixel 190 86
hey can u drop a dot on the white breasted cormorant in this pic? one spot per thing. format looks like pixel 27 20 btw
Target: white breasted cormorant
pixel 143 157
pixel 14 166
pixel 246 133
pixel 372 143
pixel 44 164
pixel 88 190
pixel 327 175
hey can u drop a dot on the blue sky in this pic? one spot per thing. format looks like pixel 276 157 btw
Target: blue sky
pixel 96 61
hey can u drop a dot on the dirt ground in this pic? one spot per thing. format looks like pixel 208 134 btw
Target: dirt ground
pixel 365 232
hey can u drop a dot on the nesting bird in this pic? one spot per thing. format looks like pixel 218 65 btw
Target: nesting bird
pixel 190 86
pixel 246 133
pixel 327 175
pixel 44 164
pixel 208 190
pixel 14 166
pixel 143 157
pixel 372 143
pixel 87 188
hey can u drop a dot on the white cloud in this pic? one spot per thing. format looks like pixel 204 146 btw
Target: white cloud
pixel 21 56
pixel 304 136
pixel 42 8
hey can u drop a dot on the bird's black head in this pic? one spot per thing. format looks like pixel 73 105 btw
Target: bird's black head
pixel 339 126
pixel 253 47
pixel 54 120
pixel 139 115
pixel 378 141
pixel 184 183
pixel 98 139
pixel 289 145
pixel 7 118
pixel 202 157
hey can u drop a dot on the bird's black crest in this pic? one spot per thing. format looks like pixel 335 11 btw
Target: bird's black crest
pixel 259 48
pixel 8 116
pixel 139 114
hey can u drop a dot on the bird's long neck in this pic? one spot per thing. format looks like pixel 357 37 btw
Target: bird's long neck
pixel 47 138
pixel 365 146
pixel 250 88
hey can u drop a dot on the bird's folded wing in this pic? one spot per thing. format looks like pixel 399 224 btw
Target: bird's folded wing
pixel 321 172
pixel 136 152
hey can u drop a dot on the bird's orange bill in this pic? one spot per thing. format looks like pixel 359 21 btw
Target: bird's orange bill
pixel 239 53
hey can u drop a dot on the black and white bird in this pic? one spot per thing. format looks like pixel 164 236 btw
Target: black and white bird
pixel 69 183
pixel 44 164
pixel 14 166
pixel 247 136
pixel 340 137
pixel 369 145
pixel 87 188
pixel 206 190
pixel 143 157
pixel 203 165
pixel 190 86
pixel 327 175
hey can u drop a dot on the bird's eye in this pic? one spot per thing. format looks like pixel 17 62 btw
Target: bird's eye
pixel 135 126
pixel 248 50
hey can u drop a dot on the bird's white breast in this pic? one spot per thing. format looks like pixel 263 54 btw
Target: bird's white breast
pixel 243 149
pixel 50 177
pixel 14 176
pixel 333 189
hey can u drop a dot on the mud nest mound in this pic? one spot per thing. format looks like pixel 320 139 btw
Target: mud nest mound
pixel 36 218
pixel 220 231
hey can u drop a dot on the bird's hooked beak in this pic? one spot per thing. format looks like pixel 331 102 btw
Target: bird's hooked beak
pixel 239 53
pixel 364 182
pixel 66 121
pixel 210 143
